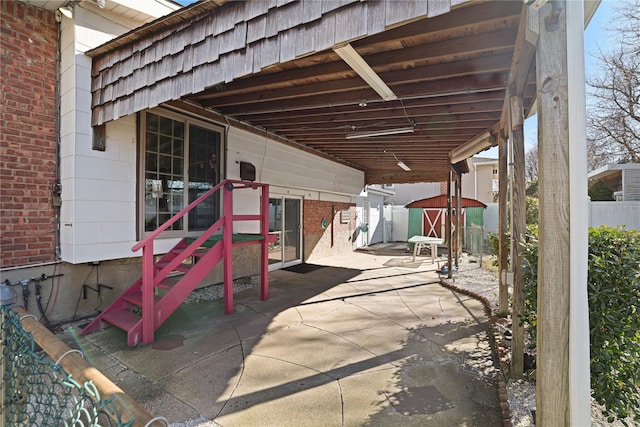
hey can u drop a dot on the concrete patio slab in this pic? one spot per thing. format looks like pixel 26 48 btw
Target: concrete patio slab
pixel 360 339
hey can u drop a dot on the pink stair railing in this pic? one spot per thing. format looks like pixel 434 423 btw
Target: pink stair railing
pixel 151 277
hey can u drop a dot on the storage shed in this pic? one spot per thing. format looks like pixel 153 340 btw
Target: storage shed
pixel 427 217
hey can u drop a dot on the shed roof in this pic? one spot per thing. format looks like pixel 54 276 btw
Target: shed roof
pixel 440 202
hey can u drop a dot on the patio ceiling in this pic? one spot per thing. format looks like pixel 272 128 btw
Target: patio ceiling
pixel 448 75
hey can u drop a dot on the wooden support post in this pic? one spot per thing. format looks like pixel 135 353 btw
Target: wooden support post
pixel 148 308
pixel 562 386
pixel 448 224
pixel 503 247
pixel 519 229
pixel 459 224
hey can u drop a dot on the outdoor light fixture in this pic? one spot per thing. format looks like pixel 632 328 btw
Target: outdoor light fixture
pixel 475 145
pixel 396 131
pixel 67 10
pixel 404 166
pixel 360 66
pixel 536 4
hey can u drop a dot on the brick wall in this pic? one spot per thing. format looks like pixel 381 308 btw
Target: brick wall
pixel 319 242
pixel 28 50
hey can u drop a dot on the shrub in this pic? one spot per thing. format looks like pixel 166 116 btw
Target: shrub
pixel 531 209
pixel 599 191
pixel 614 317
pixel 530 288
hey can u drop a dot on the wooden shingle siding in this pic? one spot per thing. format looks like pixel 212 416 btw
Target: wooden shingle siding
pixel 256 29
pixel 409 10
pixel 438 7
pixel 350 23
pixel 214 44
pixel 326 31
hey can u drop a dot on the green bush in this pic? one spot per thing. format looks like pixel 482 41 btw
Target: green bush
pixel 494 243
pixel 614 317
pixel 531 208
pixel 599 191
pixel 530 288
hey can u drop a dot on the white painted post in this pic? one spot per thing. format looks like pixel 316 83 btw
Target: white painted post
pixel 579 353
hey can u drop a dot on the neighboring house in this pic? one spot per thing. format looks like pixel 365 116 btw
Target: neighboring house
pixel 372 226
pixel 407 193
pixel 481 183
pixel 622 179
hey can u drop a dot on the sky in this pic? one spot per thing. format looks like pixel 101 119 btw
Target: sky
pixel 597 35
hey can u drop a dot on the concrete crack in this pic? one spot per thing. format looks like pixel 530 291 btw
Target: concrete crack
pixel 235 387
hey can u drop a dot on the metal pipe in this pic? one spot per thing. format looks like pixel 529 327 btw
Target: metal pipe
pixel 22 267
pixel 75 365
pixel 57 242
pixel 372 101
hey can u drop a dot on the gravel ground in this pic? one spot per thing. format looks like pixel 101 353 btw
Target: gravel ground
pixel 210 293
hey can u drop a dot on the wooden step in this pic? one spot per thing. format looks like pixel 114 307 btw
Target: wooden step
pixel 183 268
pixel 123 319
pixel 136 298
pixel 198 253
pixel 168 282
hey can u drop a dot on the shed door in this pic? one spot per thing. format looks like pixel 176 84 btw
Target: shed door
pixel 433 225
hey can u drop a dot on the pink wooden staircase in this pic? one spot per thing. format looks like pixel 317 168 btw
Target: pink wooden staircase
pixel 167 281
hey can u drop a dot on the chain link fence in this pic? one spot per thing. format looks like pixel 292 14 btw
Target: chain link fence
pixel 476 241
pixel 36 391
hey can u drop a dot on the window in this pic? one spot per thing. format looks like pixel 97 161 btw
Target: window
pixel 180 162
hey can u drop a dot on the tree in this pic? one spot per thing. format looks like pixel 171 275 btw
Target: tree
pixel 613 121
pixel 531 171
pixel 600 192
pixel 531 164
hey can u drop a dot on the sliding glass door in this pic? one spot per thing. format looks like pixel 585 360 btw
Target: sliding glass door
pixel 285 221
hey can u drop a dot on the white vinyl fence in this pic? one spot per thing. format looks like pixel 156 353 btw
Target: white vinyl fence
pixel 614 214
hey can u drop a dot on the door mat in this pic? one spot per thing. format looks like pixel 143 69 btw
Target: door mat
pixel 303 268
